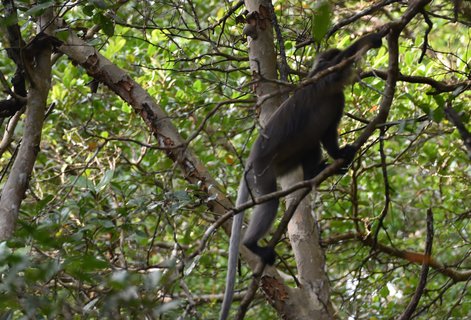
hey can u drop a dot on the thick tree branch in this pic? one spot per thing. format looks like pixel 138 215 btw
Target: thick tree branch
pixel 9 107
pixel 412 256
pixel 15 187
pixel 438 86
pixel 159 124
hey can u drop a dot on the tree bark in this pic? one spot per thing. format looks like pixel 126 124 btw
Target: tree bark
pixel 310 300
pixel 15 187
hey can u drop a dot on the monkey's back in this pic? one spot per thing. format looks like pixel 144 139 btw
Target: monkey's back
pixel 303 118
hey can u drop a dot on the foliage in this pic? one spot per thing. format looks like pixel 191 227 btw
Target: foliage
pixel 108 218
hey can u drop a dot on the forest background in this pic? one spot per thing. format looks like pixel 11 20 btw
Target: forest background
pixel 125 127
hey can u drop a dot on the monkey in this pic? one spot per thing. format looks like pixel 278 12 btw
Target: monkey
pixel 293 136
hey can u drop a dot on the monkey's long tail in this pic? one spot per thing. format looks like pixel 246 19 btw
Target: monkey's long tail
pixel 242 196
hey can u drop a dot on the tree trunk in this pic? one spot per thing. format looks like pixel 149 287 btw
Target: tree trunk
pixel 15 187
pixel 310 300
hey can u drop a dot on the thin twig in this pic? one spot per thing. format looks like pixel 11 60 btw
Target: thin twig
pixel 407 314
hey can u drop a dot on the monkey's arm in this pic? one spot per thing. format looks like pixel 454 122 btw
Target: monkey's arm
pixel 330 141
pixel 371 40
pixel 331 145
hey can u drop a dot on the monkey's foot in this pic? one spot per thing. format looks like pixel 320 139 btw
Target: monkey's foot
pixel 267 254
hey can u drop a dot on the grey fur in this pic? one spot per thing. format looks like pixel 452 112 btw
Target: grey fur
pixel 293 136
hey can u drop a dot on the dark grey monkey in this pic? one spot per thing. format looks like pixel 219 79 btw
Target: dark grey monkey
pixel 293 136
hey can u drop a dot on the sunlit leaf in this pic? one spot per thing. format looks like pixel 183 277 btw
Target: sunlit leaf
pixel 321 20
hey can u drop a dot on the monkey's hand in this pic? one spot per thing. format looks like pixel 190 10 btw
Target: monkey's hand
pixel 348 154
pixel 324 164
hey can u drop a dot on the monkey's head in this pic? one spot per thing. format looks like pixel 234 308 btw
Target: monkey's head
pixel 325 60
pixel 329 59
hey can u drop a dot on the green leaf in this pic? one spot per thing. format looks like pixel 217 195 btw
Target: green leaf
pixel 42 203
pixel 108 26
pixel 182 196
pixel 105 180
pixel 439 100
pixel 45 235
pixel 126 108
pixel 198 86
pixel 384 292
pixel 88 10
pixel 321 20
pixel 38 9
pixel 437 114
pixel 8 303
pixel 62 34
pixel 84 183
pixel 105 23
pixel 84 263
pixel 33 274
pixel 8 21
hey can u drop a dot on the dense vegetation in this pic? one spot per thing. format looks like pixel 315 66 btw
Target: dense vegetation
pixel 111 222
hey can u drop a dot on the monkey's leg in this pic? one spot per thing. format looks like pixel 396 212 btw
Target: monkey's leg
pixel 263 216
pixel 312 163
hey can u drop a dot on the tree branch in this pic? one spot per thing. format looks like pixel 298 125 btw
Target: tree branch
pixel 412 256
pixel 407 314
pixel 15 187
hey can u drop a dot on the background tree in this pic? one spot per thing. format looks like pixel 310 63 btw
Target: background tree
pixel 110 221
